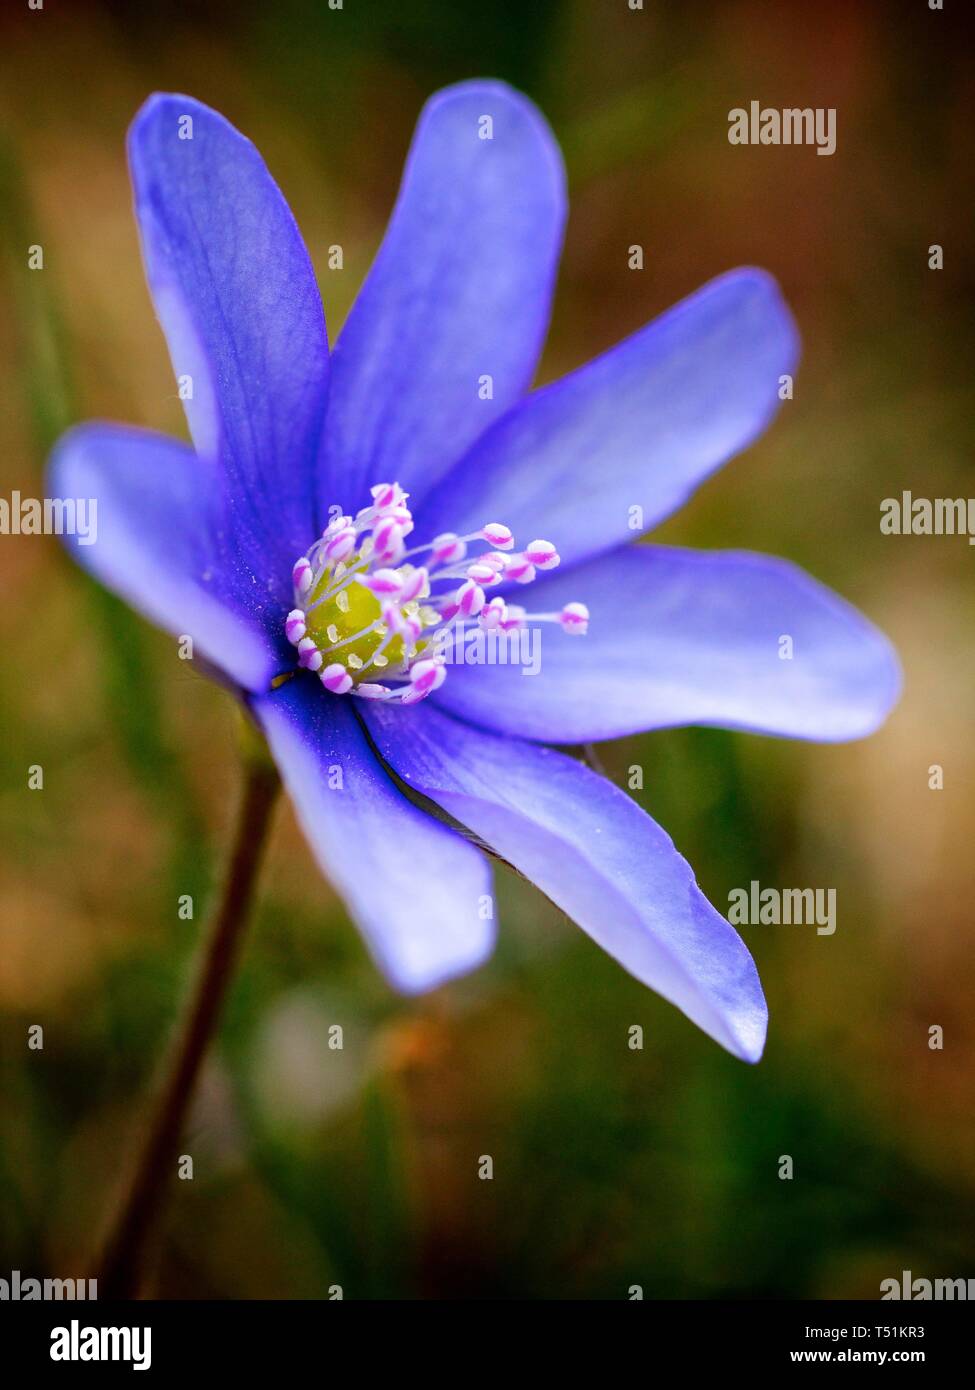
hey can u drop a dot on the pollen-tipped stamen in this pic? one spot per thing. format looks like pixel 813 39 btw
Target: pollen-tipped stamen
pixel 362 607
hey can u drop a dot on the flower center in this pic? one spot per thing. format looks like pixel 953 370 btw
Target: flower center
pixel 371 622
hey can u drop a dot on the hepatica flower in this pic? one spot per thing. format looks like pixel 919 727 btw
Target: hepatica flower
pixel 342 510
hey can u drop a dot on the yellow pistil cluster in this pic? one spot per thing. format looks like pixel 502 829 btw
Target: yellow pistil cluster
pixel 352 610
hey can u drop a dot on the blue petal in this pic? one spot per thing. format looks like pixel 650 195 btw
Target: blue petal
pixel 620 444
pixel 156 543
pixel 459 290
pixel 689 637
pixel 595 854
pixel 419 892
pixel 237 298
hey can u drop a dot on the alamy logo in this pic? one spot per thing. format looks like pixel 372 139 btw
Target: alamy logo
pixel 50 516
pixel 908 515
pixel 920 1290
pixel 77 1343
pixel 473 646
pixel 794 125
pixel 25 1290
pixel 756 906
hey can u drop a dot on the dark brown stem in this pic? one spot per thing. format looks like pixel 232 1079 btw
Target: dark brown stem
pixel 122 1266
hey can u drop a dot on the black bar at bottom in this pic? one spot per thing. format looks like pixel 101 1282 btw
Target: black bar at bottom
pixel 165 1339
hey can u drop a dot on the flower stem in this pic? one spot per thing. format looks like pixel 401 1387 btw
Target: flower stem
pixel 122 1265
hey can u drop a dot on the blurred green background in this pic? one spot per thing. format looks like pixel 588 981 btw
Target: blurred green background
pixel 612 1167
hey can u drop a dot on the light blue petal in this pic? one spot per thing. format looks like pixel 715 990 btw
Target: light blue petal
pixel 611 450
pixel 688 637
pixel 595 854
pixel 156 543
pixel 420 894
pixel 459 292
pixel 237 298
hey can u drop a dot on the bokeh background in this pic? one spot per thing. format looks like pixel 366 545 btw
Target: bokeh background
pixel 612 1167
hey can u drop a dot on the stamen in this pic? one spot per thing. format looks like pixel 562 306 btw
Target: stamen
pixel 497 535
pixel 493 614
pixel 294 626
pixel 425 677
pixel 483 573
pixel 308 654
pixel 574 619
pixel 542 555
pixel 469 599
pixel 521 570
pixel 302 575
pixel 356 593
pixel 341 544
pixel 384 583
pixel 447 549
pixel 514 619
pixel 336 679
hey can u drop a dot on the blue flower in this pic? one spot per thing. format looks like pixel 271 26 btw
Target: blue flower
pixel 342 512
